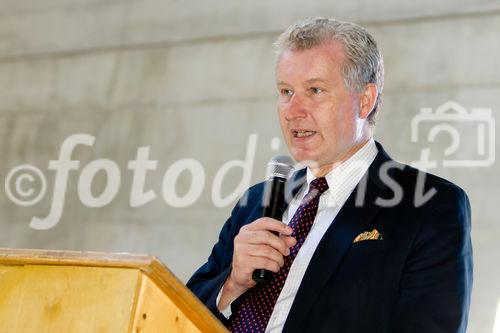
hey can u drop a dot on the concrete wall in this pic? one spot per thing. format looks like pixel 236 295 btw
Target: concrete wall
pixel 195 80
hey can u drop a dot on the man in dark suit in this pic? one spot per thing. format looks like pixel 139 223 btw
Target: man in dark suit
pixel 366 244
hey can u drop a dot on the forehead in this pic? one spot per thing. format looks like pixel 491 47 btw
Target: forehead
pixel 321 61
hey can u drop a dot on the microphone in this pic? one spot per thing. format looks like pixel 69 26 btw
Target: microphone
pixel 279 169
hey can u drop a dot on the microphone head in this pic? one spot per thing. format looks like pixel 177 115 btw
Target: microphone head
pixel 280 166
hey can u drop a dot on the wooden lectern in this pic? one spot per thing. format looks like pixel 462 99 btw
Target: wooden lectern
pixel 72 292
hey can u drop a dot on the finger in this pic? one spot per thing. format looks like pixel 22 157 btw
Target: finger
pixel 267 223
pixel 289 241
pixel 262 237
pixel 244 251
pixel 268 253
pixel 263 263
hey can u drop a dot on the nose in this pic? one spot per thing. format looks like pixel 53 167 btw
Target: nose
pixel 296 108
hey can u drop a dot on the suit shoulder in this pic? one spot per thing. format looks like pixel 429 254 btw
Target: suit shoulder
pixel 446 193
pixel 251 196
pixel 410 176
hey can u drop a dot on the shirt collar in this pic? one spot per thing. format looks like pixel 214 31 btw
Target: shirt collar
pixel 344 177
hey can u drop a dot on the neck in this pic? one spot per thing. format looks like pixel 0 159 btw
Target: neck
pixel 322 170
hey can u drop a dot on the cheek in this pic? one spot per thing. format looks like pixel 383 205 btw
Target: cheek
pixel 329 121
pixel 283 125
pixel 347 117
pixel 281 118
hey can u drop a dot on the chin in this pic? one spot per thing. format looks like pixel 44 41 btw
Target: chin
pixel 303 156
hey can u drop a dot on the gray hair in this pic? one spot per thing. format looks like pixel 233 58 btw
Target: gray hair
pixel 364 63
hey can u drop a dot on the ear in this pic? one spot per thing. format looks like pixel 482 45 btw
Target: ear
pixel 367 100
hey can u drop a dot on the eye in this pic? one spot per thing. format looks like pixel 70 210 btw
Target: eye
pixel 316 90
pixel 286 92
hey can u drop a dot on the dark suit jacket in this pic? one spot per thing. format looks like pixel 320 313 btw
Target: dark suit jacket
pixel 417 279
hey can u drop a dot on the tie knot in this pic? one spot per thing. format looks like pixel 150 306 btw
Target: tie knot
pixel 319 185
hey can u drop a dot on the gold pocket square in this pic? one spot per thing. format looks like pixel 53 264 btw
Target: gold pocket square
pixel 368 235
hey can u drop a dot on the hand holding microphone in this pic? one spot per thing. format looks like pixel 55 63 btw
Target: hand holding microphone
pixel 260 247
pixel 279 169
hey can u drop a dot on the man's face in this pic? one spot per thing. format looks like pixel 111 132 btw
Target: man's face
pixel 319 117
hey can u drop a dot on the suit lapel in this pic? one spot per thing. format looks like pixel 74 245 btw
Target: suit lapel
pixel 351 220
pixel 294 184
pixel 292 187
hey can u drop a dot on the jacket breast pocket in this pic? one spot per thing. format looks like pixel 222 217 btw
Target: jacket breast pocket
pixel 366 257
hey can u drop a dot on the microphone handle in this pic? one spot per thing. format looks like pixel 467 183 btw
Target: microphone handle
pixel 274 206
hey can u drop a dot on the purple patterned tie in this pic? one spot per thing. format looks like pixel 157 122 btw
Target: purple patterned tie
pixel 254 312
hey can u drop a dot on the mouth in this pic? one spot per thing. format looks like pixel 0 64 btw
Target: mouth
pixel 302 133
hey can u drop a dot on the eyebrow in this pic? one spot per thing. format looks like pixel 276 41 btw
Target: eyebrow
pixel 315 79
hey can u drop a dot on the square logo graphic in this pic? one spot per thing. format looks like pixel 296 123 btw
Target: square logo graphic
pixel 474 129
